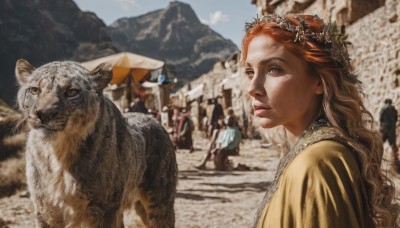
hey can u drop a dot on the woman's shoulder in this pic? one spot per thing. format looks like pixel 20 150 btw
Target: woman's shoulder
pixel 324 151
pixel 324 179
pixel 323 157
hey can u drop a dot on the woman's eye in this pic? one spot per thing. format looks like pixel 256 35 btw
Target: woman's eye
pixel 34 91
pixel 71 92
pixel 275 70
pixel 249 73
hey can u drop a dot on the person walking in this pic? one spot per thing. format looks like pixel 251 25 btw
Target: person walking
pixel 388 120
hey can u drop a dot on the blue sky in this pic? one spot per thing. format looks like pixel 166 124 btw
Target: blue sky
pixel 227 17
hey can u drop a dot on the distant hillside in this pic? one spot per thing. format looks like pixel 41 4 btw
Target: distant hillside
pixel 175 35
pixel 46 30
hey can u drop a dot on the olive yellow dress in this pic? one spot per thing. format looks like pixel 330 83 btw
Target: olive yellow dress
pixel 319 185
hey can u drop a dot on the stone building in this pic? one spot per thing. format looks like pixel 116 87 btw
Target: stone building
pixel 374 30
pixel 222 82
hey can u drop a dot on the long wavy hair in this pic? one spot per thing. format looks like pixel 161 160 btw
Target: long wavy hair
pixel 344 109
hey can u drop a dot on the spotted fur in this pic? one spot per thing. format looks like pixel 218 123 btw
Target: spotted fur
pixel 85 162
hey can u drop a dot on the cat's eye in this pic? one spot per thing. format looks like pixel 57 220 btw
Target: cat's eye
pixel 71 92
pixel 34 91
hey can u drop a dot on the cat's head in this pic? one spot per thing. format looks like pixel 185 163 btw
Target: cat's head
pixel 60 95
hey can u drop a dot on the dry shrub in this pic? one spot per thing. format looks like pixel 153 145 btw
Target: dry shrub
pixel 12 135
pixel 11 146
pixel 4 223
pixel 12 163
pixel 12 175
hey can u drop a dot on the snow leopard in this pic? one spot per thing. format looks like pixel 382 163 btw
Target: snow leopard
pixel 86 162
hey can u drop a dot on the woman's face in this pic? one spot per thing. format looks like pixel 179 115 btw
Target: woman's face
pixel 282 89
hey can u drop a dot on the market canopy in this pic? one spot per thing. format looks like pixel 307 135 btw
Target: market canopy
pixel 125 64
pixel 195 92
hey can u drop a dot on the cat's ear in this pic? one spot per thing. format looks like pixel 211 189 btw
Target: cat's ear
pixel 102 75
pixel 23 70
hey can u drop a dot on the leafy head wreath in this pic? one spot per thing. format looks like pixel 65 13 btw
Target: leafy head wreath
pixel 334 42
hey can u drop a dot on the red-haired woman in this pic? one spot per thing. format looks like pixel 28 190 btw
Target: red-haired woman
pixel 299 76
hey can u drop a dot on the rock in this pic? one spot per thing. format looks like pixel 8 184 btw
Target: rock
pixel 393 18
pixel 24 194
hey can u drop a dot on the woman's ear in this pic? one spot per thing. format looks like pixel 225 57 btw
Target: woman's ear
pixel 319 87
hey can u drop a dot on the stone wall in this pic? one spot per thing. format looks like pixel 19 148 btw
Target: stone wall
pixel 375 51
pixel 344 12
pixel 223 79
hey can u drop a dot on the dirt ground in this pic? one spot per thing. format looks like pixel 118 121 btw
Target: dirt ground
pixel 205 198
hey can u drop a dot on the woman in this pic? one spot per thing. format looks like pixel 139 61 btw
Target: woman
pixel 300 77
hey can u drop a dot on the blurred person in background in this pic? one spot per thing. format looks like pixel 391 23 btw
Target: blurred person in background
pixel 387 128
pixel 183 138
pixel 216 113
pixel 213 143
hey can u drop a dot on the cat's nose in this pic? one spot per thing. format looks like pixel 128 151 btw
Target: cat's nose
pixel 45 115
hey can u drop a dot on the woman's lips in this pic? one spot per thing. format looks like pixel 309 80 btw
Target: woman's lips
pixel 261 110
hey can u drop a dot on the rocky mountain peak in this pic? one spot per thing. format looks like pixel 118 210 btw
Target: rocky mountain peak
pixel 173 34
pixel 181 12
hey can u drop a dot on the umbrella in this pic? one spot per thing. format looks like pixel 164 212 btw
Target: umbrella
pixel 125 64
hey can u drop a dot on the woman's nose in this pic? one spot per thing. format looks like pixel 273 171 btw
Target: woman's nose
pixel 256 87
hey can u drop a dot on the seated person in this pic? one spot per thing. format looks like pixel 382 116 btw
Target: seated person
pixel 227 144
pixel 219 127
pixel 183 137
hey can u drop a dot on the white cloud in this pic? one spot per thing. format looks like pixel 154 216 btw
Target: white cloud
pixel 202 20
pixel 216 18
pixel 127 4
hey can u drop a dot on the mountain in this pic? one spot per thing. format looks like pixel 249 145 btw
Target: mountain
pixel 41 31
pixel 174 35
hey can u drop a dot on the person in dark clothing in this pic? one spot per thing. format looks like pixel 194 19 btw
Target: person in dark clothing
pixel 139 106
pixel 215 115
pixel 183 139
pixel 175 126
pixel 388 120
